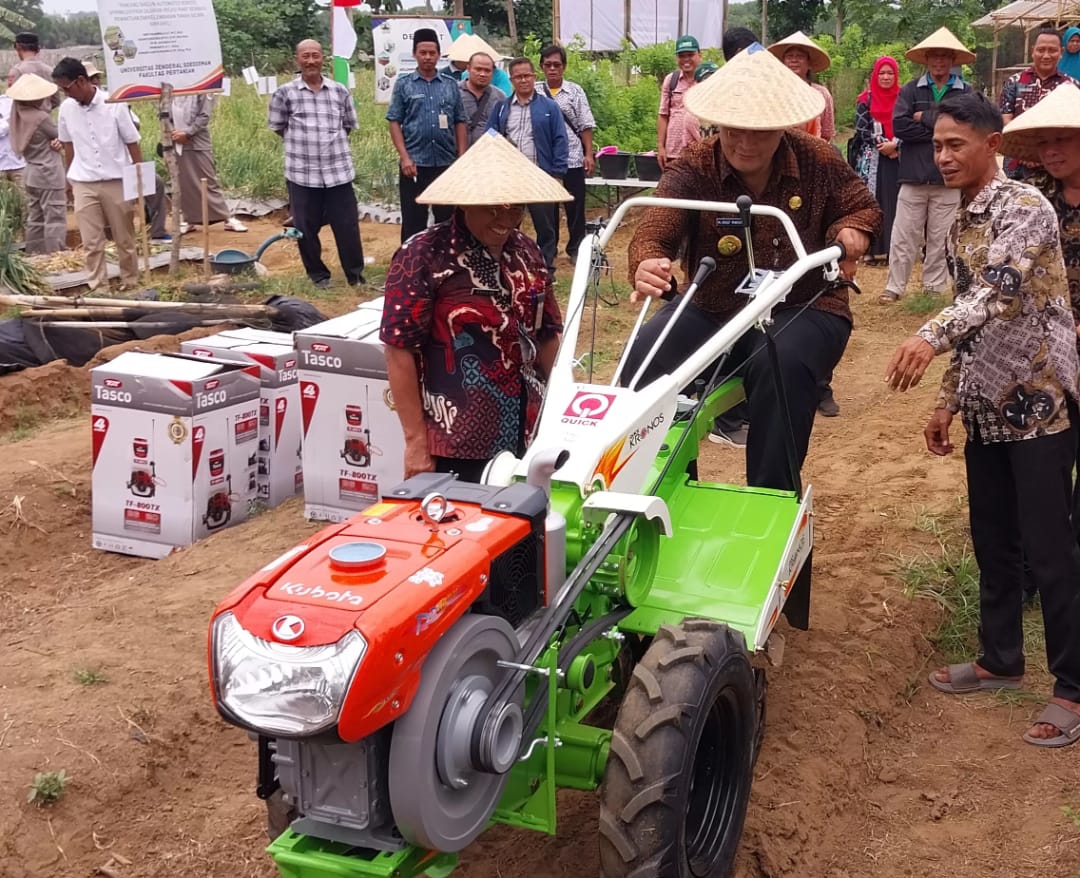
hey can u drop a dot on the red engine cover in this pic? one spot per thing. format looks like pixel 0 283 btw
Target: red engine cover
pixel 401 605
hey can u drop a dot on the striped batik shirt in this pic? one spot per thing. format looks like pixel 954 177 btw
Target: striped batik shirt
pixel 316 126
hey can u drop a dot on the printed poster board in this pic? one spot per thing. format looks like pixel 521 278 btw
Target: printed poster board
pixel 148 42
pixel 392 36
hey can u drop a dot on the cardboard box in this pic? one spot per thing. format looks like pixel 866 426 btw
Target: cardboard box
pixel 353 443
pixel 280 472
pixel 175 442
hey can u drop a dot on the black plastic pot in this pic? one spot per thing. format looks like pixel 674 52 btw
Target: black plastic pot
pixel 648 167
pixel 614 167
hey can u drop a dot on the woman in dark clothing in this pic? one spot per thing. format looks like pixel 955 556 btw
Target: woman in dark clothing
pixel 877 150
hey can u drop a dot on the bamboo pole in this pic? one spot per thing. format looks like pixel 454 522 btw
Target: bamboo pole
pixel 122 313
pixel 143 236
pixel 166 328
pixel 53 302
pixel 205 226
pixel 171 162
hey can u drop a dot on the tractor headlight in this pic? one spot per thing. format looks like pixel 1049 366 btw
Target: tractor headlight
pixel 276 689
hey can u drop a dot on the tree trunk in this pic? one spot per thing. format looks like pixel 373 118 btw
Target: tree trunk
pixel 839 24
pixel 511 22
pixel 764 22
pixel 171 162
pixel 459 8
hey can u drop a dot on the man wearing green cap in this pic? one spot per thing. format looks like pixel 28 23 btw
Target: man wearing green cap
pixel 670 125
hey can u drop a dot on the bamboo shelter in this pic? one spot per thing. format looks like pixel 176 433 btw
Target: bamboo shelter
pixel 1027 16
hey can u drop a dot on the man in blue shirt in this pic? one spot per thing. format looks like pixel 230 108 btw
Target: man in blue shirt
pixel 427 127
pixel 534 124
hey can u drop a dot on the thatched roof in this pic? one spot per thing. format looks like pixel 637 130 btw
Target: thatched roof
pixel 1028 14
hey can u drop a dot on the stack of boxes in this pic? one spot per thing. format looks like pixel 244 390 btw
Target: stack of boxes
pixel 175 442
pixel 186 444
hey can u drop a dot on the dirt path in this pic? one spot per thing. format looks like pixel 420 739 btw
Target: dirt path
pixel 864 772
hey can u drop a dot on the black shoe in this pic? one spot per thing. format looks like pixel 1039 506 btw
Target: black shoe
pixel 358 282
pixel 827 405
pixel 323 284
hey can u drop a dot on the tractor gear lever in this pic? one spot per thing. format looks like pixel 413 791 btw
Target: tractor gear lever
pixel 744 203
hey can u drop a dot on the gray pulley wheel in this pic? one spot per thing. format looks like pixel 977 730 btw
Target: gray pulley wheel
pixel 438 799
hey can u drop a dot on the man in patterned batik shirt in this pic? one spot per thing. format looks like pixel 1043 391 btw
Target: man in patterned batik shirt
pixel 1013 380
pixel 470 320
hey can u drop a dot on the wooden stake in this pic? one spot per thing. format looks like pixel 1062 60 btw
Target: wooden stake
pixel 143 235
pixel 205 226
pixel 171 162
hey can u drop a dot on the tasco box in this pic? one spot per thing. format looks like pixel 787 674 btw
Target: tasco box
pixel 175 449
pixel 353 443
pixel 280 474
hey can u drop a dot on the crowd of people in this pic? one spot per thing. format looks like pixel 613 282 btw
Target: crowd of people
pixel 471 324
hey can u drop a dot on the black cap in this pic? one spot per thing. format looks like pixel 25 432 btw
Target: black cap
pixel 425 35
pixel 29 40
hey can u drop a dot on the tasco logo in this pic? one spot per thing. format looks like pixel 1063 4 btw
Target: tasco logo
pixel 290 364
pixel 587 408
pixel 286 628
pixel 320 347
pixel 213 384
pixel 113 382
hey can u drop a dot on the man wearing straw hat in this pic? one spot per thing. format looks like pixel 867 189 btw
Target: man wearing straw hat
pixel 805 58
pixel 34 137
pixel 1013 379
pixel 756 101
pixel 925 207
pixel 470 321
pixel 1025 89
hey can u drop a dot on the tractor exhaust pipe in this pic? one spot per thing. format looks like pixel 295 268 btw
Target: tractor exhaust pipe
pixel 541 468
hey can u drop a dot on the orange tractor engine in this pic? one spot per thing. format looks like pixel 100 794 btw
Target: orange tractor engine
pixel 320 653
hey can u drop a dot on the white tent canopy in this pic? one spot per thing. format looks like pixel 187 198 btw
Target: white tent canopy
pixel 603 24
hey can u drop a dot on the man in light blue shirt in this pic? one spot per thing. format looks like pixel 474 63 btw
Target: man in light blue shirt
pixel 427 127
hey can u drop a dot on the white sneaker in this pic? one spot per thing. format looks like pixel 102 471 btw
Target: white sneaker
pixel 232 224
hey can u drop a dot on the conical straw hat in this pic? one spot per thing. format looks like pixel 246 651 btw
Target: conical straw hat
pixel 493 171
pixel 819 58
pixel 467 45
pixel 755 91
pixel 1058 110
pixel 942 38
pixel 31 87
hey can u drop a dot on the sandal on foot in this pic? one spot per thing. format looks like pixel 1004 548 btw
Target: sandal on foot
pixel 1064 720
pixel 888 298
pixel 963 679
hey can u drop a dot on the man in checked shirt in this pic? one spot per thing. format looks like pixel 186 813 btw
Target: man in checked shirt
pixel 315 116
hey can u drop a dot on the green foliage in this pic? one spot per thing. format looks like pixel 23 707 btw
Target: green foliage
pixel 16 272
pixel 89 677
pixel 48 787
pixel 531 17
pixel 266 34
pixel 788 16
pixel 76 29
pixel 11 16
pixel 1072 814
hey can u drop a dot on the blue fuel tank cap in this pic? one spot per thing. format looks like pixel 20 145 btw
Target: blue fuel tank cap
pixel 357 556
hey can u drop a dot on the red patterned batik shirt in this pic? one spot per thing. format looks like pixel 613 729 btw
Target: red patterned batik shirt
pixel 475 323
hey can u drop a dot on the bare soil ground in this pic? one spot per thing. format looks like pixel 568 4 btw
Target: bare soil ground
pixel 864 771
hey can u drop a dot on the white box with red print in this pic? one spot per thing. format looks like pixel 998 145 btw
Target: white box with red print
pixel 279 474
pixel 175 449
pixel 353 442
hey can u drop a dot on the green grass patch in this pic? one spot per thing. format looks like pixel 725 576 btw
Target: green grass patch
pixel 926 302
pixel 89 677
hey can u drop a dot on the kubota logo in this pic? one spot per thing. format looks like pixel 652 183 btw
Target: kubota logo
pixel 287 628
pixel 320 347
pixel 586 408
pixel 113 382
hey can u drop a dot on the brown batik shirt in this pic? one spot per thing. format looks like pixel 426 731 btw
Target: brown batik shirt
pixel 1010 326
pixel 810 182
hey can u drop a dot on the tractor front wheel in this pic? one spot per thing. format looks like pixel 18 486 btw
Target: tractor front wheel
pixel 677 783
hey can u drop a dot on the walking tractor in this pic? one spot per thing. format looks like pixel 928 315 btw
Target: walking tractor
pixel 454 654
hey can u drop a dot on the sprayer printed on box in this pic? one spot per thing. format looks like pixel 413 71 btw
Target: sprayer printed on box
pixel 353 444
pixel 279 473
pixel 162 479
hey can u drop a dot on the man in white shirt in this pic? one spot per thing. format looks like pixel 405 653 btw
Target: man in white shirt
pixel 11 165
pixel 99 140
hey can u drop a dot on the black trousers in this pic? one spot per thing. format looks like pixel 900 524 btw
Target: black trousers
pixel 809 345
pixel 545 219
pixel 312 208
pixel 1019 498
pixel 414 217
pixel 574 183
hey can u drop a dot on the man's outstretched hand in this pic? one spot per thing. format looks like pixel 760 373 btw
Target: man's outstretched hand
pixel 908 363
pixel 937 433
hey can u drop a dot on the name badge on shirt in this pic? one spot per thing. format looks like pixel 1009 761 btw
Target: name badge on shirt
pixel 444 121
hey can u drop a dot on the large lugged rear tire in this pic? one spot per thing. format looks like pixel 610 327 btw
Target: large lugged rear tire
pixel 677 782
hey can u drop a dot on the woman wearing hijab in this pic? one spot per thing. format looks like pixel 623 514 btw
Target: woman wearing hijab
pixel 1070 53
pixel 33 136
pixel 878 150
